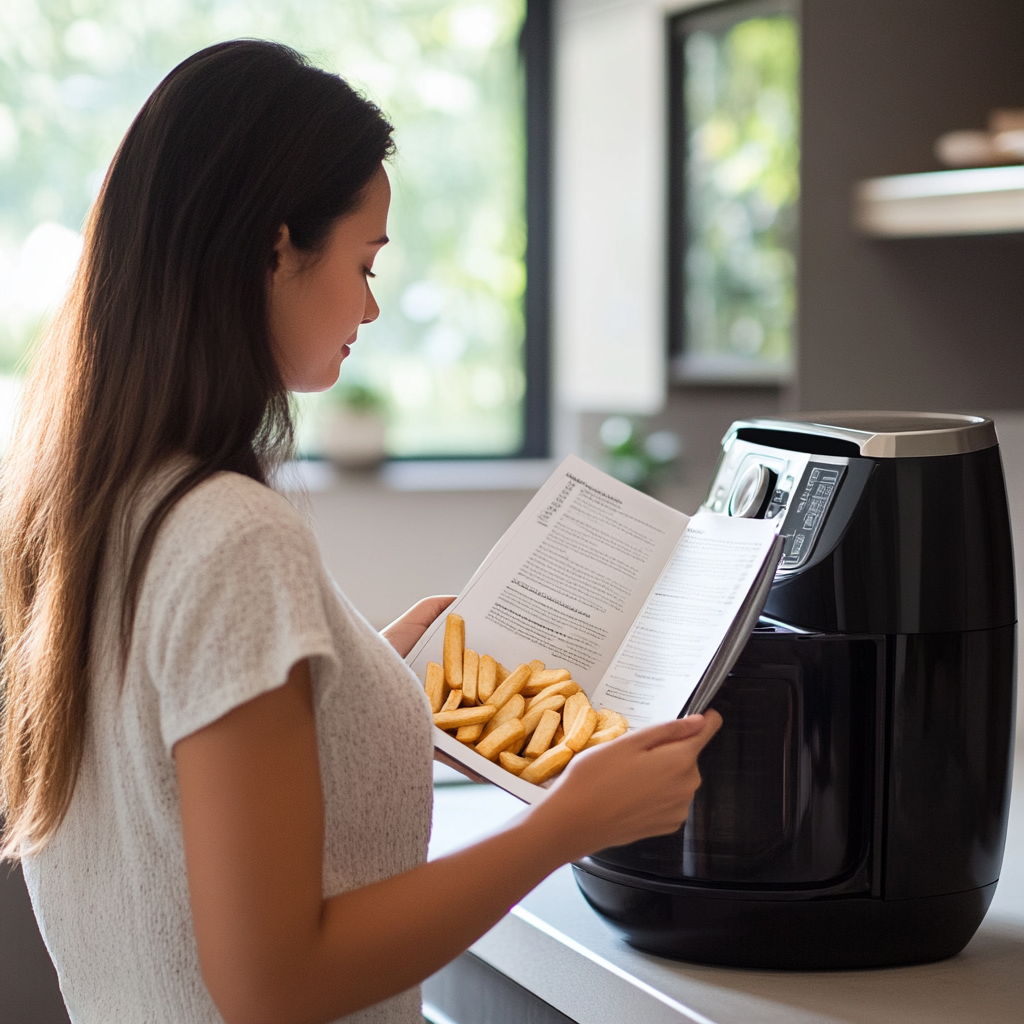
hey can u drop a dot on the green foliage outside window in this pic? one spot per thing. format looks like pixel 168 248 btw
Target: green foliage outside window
pixel 446 353
pixel 742 186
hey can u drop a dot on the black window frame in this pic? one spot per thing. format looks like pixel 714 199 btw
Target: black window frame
pixel 677 27
pixel 536 47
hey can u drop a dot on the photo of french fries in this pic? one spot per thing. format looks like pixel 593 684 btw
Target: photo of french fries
pixel 530 721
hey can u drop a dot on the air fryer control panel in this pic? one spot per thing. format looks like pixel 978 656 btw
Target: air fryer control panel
pixel 795 489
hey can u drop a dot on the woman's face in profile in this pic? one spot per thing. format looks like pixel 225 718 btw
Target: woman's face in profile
pixel 316 304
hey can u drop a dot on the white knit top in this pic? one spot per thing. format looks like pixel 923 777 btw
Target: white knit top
pixel 235 594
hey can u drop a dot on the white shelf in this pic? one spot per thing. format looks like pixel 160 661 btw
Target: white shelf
pixel 979 201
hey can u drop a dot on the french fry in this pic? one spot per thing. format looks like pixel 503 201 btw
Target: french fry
pixel 543 679
pixel 598 736
pixel 531 721
pixel 511 687
pixel 606 718
pixel 470 676
pixel 543 734
pixel 434 685
pixel 512 762
pixel 464 716
pixel 505 736
pixel 550 763
pixel 487 678
pixel 512 708
pixel 454 644
pixel 573 705
pixel 533 715
pixel 532 718
pixel 564 689
pixel 453 700
pixel 583 726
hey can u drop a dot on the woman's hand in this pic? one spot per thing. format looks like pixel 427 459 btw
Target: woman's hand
pixel 406 630
pixel 637 786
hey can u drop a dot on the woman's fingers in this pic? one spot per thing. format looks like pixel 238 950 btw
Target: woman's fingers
pixel 677 730
pixel 406 630
pixel 639 785
pixel 424 612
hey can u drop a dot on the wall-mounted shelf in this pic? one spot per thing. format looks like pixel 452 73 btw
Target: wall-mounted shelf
pixel 979 201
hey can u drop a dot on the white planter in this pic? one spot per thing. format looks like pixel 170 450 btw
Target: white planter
pixel 352 440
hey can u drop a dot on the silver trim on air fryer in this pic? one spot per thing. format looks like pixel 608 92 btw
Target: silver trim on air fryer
pixel 888 435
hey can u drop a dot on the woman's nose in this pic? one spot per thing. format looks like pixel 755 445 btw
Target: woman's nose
pixel 371 310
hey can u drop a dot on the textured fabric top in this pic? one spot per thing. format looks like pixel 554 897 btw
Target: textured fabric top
pixel 234 595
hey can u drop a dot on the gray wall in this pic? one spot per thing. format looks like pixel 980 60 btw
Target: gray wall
pixel 919 324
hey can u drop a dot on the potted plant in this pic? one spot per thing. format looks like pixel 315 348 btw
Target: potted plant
pixel 641 462
pixel 353 425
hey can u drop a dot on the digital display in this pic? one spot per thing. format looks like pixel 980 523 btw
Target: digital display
pixel 810 505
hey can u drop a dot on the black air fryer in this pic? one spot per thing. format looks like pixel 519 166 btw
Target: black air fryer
pixel 854 803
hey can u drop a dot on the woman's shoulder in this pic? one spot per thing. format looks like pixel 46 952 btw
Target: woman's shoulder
pixel 239 500
pixel 229 510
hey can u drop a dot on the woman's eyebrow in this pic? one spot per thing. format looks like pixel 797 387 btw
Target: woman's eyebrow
pixel 383 240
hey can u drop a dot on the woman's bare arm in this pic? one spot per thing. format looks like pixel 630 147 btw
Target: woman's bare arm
pixel 273 950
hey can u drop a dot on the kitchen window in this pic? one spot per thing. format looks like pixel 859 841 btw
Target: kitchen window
pixel 734 171
pixel 449 356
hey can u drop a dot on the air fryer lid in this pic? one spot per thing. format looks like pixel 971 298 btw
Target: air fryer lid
pixel 882 435
pixel 893 522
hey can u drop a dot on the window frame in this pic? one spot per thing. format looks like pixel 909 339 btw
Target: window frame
pixel 678 26
pixel 536 52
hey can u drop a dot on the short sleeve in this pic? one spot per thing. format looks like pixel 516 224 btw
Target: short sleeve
pixel 234 596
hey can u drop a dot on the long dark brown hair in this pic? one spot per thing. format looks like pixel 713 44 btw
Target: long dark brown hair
pixel 161 350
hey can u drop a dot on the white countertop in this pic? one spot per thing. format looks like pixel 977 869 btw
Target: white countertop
pixel 555 946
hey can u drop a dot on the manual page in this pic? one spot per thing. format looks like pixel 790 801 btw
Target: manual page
pixel 685 618
pixel 631 596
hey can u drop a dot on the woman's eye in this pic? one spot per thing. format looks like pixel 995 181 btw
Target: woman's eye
pixel 368 272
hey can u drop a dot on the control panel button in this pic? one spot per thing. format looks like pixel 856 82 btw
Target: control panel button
pixel 808 511
pixel 750 491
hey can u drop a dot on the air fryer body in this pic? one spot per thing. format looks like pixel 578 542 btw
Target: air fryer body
pixel 854 803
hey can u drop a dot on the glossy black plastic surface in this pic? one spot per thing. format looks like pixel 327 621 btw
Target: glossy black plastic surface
pixel 910 546
pixel 790 440
pixel 809 934
pixel 951 723
pixel 788 792
pixel 849 772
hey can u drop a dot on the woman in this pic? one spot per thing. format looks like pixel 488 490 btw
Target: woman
pixel 216 773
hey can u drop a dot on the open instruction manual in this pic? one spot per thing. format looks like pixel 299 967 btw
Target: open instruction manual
pixel 646 607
